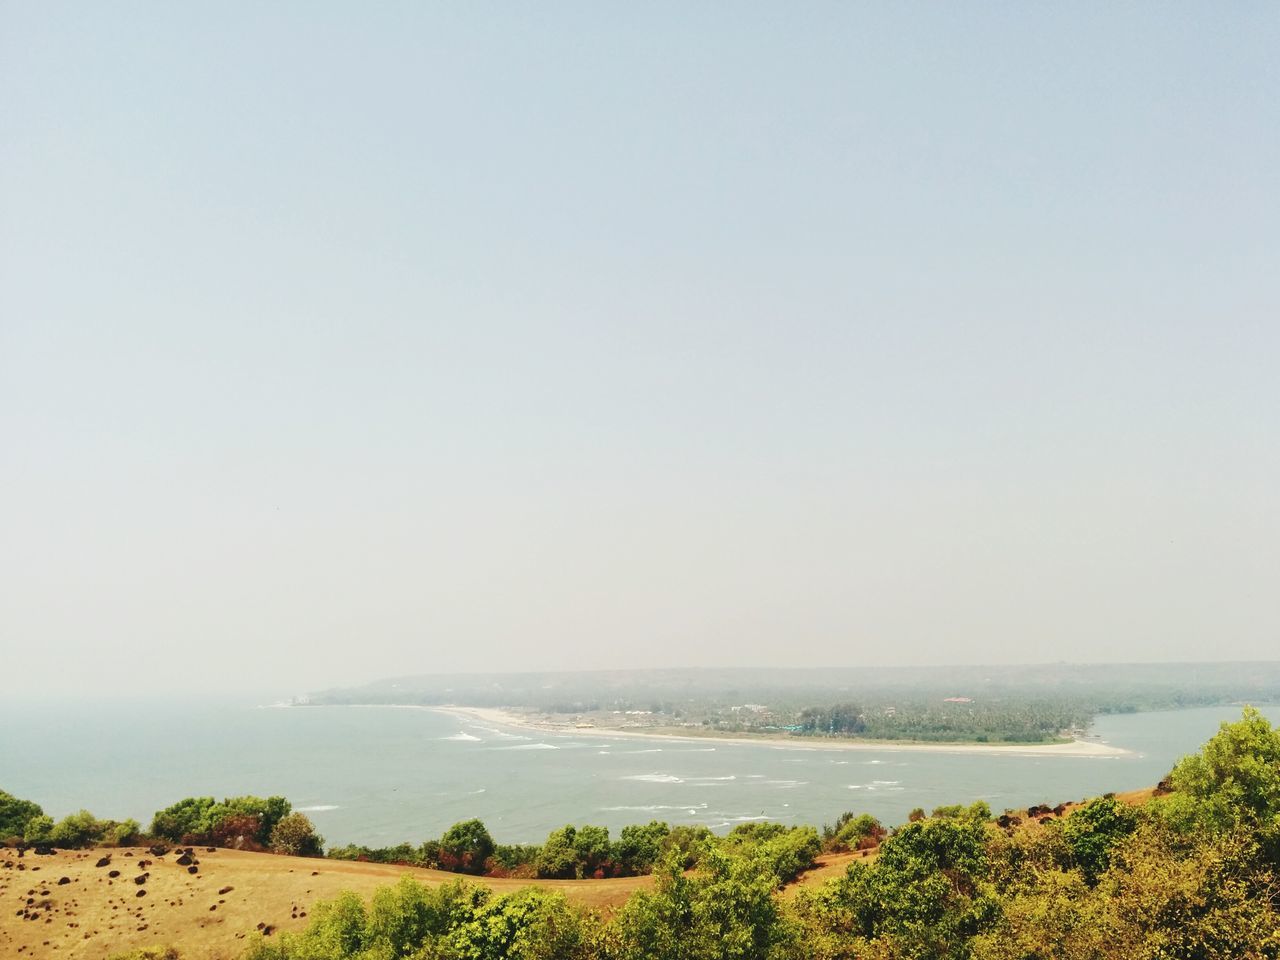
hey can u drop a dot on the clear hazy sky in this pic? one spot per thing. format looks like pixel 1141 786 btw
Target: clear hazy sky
pixel 339 341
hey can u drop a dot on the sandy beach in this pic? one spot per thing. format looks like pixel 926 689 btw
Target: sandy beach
pixel 511 719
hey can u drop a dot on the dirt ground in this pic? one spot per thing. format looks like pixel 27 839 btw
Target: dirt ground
pixel 207 915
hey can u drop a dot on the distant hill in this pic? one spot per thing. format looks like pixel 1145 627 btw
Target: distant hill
pixel 1105 687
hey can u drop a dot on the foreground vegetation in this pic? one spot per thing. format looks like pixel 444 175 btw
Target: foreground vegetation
pixel 1189 875
pixel 1192 874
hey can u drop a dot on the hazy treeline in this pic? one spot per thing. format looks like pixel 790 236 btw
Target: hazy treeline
pixel 1011 704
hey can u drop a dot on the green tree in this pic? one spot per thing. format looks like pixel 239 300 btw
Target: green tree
pixel 1093 830
pixel 725 912
pixel 15 814
pixel 295 835
pixel 187 816
pixel 558 858
pixel 466 846
pixel 39 829
pixel 77 830
pixel 639 846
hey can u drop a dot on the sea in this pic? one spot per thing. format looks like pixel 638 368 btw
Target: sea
pixel 384 775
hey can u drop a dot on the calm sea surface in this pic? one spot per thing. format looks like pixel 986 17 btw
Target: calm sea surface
pixel 379 775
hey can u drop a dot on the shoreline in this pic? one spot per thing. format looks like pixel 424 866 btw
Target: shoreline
pixel 508 718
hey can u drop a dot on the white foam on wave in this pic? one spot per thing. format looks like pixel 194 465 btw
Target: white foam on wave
pixel 654 778
pixel 710 779
pixel 655 807
pixel 502 733
pixel 647 750
pixel 528 746
pixel 886 783
pixel 318 808
pixel 464 735
pixel 786 784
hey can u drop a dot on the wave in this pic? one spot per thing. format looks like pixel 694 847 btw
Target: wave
pixel 654 778
pixel 502 733
pixel 655 807
pixel 463 735
pixel 649 750
pixel 710 779
pixel 318 808
pixel 786 784
pixel 528 746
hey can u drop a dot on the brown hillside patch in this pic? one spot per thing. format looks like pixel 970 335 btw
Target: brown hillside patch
pixel 207 915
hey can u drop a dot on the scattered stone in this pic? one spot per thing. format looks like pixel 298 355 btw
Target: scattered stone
pixel 141 878
pixel 105 861
pixel 141 893
pixel 193 869
pixel 225 890
pixel 63 881
pixel 114 873
pixel 184 860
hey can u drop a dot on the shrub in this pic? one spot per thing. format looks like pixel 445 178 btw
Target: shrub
pixel 296 836
pixel 238 831
pixel 465 847
pixel 185 818
pixel 78 830
pixel 123 834
pixel 853 832
pixel 38 829
pixel 15 814
pixel 639 846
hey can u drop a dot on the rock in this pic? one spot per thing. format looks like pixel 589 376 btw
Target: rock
pixel 141 893
pixel 104 862
pixel 63 881
pixel 184 860
pixel 193 869
pixel 141 878
pixel 114 873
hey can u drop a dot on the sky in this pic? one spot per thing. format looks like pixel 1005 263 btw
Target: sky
pixel 340 341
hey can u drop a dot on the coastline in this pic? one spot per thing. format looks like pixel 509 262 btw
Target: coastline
pixel 507 718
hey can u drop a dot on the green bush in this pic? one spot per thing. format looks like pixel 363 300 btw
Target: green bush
pixel 78 830
pixel 38 830
pixel 296 836
pixel 15 814
pixel 465 847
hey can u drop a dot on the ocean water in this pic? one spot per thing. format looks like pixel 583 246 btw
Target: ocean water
pixel 382 775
